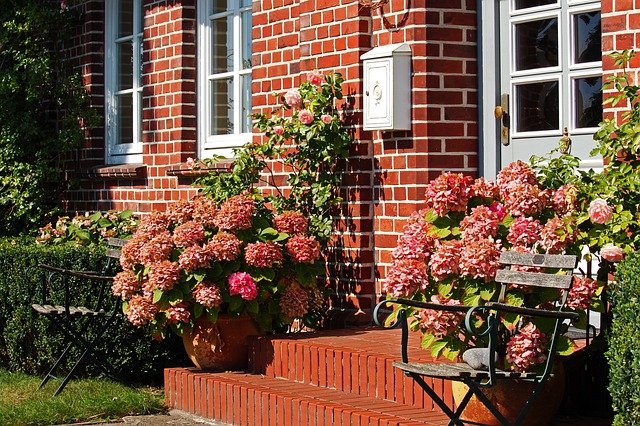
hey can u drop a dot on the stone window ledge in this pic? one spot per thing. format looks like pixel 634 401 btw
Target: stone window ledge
pixel 183 171
pixel 121 171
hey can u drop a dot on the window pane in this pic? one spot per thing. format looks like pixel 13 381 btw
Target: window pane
pixel 125 65
pixel 246 40
pixel 222 44
pixel 587 45
pixel 525 4
pixel 219 6
pixel 246 3
pixel 536 44
pixel 537 106
pixel 222 106
pixel 125 25
pixel 124 116
pixel 246 103
pixel 588 101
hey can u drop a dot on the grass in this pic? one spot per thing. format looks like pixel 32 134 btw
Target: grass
pixel 94 400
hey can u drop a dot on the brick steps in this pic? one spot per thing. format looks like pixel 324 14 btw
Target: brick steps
pixel 342 377
pixel 248 399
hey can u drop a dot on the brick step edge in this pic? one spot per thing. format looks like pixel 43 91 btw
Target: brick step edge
pixel 249 399
pixel 358 372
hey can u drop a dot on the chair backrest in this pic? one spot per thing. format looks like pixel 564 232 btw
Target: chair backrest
pixel 561 265
pixel 113 251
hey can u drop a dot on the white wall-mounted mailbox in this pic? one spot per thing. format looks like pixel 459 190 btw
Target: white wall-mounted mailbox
pixel 387 87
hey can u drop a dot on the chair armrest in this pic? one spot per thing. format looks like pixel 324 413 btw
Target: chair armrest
pixel 92 275
pixel 428 305
pixel 503 307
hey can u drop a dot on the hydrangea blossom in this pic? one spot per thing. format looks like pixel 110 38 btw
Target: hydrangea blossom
pixel 180 211
pixel 207 294
pixel 481 223
pixel 303 249
pixel 415 241
pixel 485 189
pixel 445 261
pixel 130 253
pixel 556 236
pixel 157 249
pixel 405 277
pixel 242 284
pixel 125 285
pixel 178 313
pixel 188 234
pixel 438 322
pixel 163 275
pixel 524 231
pixel 564 199
pixel 194 257
pixel 449 192
pixel 263 254
pixel 581 293
pixel 527 348
pixel 224 246
pixel 516 172
pixel 236 213
pixel 153 223
pixel 479 258
pixel 291 222
pixel 140 311
pixel 522 199
pixel 204 211
pixel 294 302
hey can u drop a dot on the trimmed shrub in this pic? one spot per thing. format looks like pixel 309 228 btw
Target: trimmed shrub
pixel 30 343
pixel 623 354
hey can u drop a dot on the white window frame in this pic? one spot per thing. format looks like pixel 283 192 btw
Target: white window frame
pixel 130 152
pixel 221 144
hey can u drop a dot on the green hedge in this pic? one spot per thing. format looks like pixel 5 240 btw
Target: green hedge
pixel 30 343
pixel 623 354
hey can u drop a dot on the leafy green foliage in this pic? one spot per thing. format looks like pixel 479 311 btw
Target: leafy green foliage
pixel 29 342
pixel 623 353
pixel 41 106
pixel 308 153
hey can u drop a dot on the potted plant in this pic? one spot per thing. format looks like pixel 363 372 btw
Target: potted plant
pixel 245 250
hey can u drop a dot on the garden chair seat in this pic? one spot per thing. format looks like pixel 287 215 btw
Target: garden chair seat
pixel 478 380
pixel 82 324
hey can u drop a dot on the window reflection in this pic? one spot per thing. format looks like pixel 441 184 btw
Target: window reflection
pixel 588 101
pixel 587 42
pixel 537 106
pixel 536 44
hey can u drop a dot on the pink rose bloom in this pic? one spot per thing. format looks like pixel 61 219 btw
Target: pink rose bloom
pixel 611 253
pixel 279 130
pixel 326 118
pixel 305 116
pixel 241 283
pixel 600 211
pixel 293 98
pixel 191 163
pixel 316 78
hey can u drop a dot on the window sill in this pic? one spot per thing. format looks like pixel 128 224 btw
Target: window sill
pixel 121 171
pixel 183 171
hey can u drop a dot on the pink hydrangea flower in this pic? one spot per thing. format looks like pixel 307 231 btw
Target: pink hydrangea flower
pixel 405 277
pixel 611 253
pixel 178 313
pixel 524 231
pixel 236 213
pixel 527 348
pixel 415 241
pixel 130 253
pixel 207 294
pixel 263 255
pixel 159 248
pixel 316 78
pixel 163 275
pixel 305 116
pixel 326 118
pixel 485 189
pixel 445 261
pixel 522 199
pixel 224 246
pixel 581 293
pixel 242 284
pixel 294 302
pixel 125 285
pixel 291 222
pixel 479 258
pixel 449 192
pixel 599 211
pixel 555 235
pixel 517 171
pixel 180 211
pixel 437 322
pixel 188 234
pixel 303 249
pixel 152 224
pixel 140 311
pixel 564 199
pixel 293 98
pixel 194 257
pixel 204 211
pixel 499 210
pixel 480 223
pixel 278 130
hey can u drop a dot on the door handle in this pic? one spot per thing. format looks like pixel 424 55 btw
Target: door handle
pixel 501 112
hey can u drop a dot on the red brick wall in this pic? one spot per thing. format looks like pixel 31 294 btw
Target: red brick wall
pixel 620 30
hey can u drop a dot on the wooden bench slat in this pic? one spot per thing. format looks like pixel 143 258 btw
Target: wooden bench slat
pixel 559 261
pixel 77 311
pixel 458 370
pixel 537 279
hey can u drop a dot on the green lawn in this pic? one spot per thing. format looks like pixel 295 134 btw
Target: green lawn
pixel 21 403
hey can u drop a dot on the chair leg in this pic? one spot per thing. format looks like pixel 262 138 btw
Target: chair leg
pixel 473 386
pixel 454 419
pixel 53 368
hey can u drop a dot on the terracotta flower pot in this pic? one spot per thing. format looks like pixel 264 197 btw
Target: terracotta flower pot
pixel 509 397
pixel 220 346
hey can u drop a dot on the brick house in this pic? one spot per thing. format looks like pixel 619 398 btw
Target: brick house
pixel 177 78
